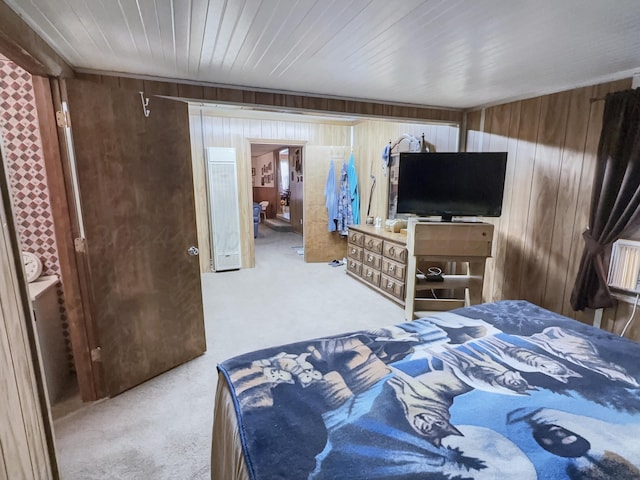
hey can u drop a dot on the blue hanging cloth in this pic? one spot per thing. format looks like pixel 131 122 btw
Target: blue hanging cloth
pixel 331 199
pixel 353 187
pixel 386 156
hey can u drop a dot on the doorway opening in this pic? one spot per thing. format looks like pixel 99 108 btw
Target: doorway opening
pixel 284 185
pixel 29 190
pixel 277 184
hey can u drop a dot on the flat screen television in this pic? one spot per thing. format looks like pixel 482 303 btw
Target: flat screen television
pixel 461 184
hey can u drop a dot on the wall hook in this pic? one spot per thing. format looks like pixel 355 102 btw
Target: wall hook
pixel 145 103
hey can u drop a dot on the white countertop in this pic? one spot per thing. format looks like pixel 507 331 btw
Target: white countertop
pixel 41 285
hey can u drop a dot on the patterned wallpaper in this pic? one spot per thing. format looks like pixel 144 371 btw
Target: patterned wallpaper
pixel 27 176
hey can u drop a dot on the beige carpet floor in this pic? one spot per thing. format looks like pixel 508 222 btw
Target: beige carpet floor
pixel 162 428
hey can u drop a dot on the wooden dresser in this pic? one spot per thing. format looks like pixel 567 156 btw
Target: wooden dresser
pixel 378 259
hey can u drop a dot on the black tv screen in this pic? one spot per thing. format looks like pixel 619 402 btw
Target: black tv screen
pixel 451 184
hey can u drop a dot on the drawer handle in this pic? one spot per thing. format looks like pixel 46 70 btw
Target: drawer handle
pixel 390 285
pixel 370 243
pixel 392 251
pixel 371 258
pixel 369 274
pixel 392 268
pixel 353 250
pixel 353 264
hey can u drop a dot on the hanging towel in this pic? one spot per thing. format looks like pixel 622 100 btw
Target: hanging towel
pixel 345 215
pixel 386 156
pixel 331 199
pixel 353 188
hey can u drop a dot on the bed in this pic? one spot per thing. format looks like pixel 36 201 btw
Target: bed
pixel 498 390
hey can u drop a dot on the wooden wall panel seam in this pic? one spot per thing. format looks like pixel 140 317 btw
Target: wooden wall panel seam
pixel 546 184
pixel 497 275
pixel 577 230
pixel 564 238
pixel 527 239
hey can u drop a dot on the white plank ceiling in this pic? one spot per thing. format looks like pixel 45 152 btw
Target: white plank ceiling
pixel 450 53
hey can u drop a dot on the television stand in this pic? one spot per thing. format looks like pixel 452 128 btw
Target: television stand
pixel 466 244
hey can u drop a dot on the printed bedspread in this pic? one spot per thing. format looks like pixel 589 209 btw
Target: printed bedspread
pixel 494 391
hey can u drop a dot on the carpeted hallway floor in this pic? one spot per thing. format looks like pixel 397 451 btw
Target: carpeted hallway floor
pixel 162 428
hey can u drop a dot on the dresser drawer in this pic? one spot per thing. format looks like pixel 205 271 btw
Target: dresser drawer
pixel 357 238
pixel 354 266
pixel 392 286
pixel 370 275
pixel 378 258
pixel 372 243
pixel 393 269
pixel 371 259
pixel 354 252
pixel 395 251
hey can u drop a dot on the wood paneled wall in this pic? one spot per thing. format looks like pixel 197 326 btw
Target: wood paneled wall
pixel 551 140
pixel 26 443
pixel 551 143
pixel 370 138
pixel 615 318
pixel 210 129
pixel 261 193
pixel 289 102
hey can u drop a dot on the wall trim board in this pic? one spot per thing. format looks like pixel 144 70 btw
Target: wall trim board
pixel 276 100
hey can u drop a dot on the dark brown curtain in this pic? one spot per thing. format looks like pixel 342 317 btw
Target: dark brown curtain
pixel 615 201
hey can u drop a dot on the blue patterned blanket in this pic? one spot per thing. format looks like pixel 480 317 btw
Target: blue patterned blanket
pixel 496 391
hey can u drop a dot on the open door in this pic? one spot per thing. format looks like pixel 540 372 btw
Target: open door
pixel 136 194
pixel 320 245
pixel 296 187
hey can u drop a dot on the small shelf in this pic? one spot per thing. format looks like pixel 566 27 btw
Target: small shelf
pixel 424 306
pixel 468 244
pixel 450 282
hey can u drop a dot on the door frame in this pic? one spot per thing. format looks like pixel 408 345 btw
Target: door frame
pixel 27 367
pixel 246 178
pixel 67 218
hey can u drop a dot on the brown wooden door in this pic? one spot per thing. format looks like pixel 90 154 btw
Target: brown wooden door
pixel 136 192
pixel 296 188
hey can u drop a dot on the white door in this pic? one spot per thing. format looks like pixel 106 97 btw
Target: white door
pixel 224 209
